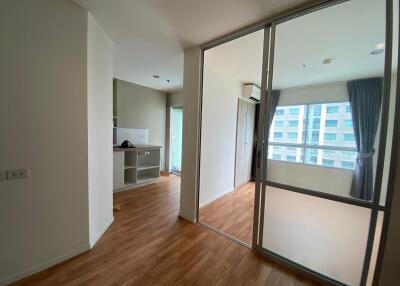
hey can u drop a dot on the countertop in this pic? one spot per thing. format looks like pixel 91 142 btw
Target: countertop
pixel 137 147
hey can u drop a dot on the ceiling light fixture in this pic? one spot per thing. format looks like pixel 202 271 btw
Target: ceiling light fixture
pixel 379 49
pixel 156 76
pixel 168 80
pixel 327 61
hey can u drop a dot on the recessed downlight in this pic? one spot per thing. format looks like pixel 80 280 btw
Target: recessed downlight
pixel 156 76
pixel 379 49
pixel 327 61
pixel 380 46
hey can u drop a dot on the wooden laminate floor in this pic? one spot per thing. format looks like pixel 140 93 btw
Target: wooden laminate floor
pixel 232 213
pixel 149 245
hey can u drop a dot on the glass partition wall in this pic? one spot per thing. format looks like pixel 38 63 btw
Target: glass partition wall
pixel 231 80
pixel 326 137
pixel 324 132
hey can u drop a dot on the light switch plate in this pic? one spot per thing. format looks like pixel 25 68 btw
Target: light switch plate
pixel 17 174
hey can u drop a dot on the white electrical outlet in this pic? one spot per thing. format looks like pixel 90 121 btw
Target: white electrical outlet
pixel 17 174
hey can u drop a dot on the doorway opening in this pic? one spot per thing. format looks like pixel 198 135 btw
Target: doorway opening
pixel 230 100
pixel 176 139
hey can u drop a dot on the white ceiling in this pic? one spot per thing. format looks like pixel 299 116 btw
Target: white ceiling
pixel 346 33
pixel 150 35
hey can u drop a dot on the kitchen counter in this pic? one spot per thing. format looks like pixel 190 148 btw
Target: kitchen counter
pixel 137 147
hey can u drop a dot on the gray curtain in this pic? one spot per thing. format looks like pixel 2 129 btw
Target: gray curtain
pixel 274 104
pixel 365 97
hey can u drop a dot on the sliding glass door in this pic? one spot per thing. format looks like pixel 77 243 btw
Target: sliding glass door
pixel 176 138
pixel 325 139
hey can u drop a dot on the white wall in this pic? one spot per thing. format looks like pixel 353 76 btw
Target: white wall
pixel 191 104
pixel 175 98
pixel 218 133
pixel 317 178
pixel 330 92
pixel 100 97
pixel 43 122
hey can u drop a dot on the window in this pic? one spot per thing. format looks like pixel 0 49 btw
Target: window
pixel 315 137
pixel 329 152
pixel 310 143
pixel 348 137
pixel 317 110
pixel 292 135
pixel 276 156
pixel 348 109
pixel 349 153
pixel 348 123
pixel 348 165
pixel 328 162
pixel 294 111
pixel 277 149
pixel 316 123
pixel 332 108
pixel 330 123
pixel 330 136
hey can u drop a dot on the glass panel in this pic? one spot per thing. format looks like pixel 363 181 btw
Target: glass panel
pixel 392 103
pixel 330 158
pixel 288 125
pixel 322 235
pixel 375 248
pixel 176 136
pixel 231 79
pixel 284 153
pixel 322 61
pixel 315 67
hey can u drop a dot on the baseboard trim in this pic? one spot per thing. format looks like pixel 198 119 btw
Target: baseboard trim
pixel 103 230
pixel 190 219
pixel 43 266
pixel 210 200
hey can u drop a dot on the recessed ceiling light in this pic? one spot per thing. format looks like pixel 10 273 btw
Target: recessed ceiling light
pixel 168 80
pixel 379 49
pixel 156 76
pixel 380 46
pixel 327 61
pixel 376 52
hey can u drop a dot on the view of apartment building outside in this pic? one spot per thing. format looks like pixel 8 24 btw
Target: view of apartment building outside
pixel 316 134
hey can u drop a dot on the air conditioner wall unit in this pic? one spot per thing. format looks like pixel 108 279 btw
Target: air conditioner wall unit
pixel 251 92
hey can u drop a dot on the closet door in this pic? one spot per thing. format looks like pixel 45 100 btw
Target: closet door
pixel 240 143
pixel 248 144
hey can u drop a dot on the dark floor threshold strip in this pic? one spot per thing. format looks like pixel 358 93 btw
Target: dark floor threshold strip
pixel 226 235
